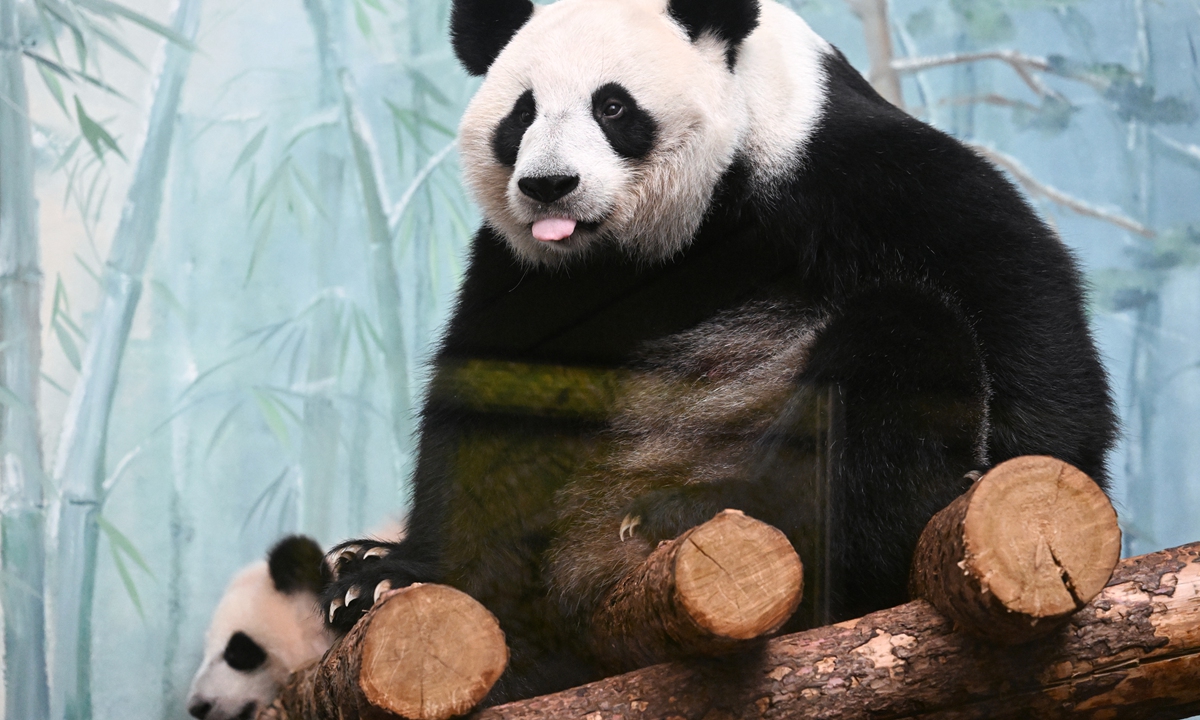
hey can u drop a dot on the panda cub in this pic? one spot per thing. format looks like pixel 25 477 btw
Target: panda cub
pixel 267 624
pixel 701 227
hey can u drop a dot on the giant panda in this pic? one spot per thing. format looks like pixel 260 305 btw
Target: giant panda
pixel 700 223
pixel 266 625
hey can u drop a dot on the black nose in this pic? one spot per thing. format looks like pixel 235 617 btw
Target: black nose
pixel 199 709
pixel 548 188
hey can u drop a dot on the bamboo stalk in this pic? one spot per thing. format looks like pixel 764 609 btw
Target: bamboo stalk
pixel 79 462
pixel 21 476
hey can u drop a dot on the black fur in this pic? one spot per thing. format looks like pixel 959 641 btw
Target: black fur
pixel 243 654
pixel 731 21
pixel 297 565
pixel 479 29
pixel 633 133
pixel 506 139
pixel 906 274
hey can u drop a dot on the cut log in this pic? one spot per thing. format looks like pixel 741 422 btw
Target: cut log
pixel 707 592
pixel 425 652
pixel 1133 652
pixel 1032 542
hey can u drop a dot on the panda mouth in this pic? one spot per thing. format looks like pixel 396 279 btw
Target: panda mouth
pixel 557 229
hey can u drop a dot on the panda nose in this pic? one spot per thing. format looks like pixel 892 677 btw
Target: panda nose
pixel 548 188
pixel 199 709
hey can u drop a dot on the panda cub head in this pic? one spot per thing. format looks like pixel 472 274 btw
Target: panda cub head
pixel 266 625
pixel 614 120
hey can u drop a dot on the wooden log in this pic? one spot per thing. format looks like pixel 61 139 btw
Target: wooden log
pixel 1133 652
pixel 1032 542
pixel 424 652
pixel 707 592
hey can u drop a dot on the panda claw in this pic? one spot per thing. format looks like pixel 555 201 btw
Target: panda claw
pixel 628 524
pixel 383 587
pixel 352 595
pixel 334 606
pixel 375 552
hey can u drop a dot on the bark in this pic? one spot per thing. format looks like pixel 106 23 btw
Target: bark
pixel 79 463
pixel 878 31
pixel 707 592
pixel 1027 546
pixel 21 476
pixel 382 668
pixel 1133 652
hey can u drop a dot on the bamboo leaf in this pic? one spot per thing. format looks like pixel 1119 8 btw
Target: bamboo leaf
pixel 68 346
pixel 94 133
pixel 361 19
pixel 67 154
pixel 80 48
pixel 249 150
pixel 51 382
pixel 269 407
pixel 122 543
pixel 222 426
pixel 310 190
pixel 9 398
pixel 260 244
pixel 127 580
pixel 165 293
pixel 117 46
pixel 323 119
pixel 108 9
pixel 53 85
pixel 427 88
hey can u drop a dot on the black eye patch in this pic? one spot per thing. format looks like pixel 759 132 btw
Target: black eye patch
pixel 243 654
pixel 631 131
pixel 506 141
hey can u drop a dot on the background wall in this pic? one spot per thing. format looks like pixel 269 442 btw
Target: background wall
pixel 298 237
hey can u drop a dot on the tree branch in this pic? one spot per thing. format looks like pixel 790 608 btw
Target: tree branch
pixel 1040 189
pixel 1023 65
pixel 1133 652
pixel 877 29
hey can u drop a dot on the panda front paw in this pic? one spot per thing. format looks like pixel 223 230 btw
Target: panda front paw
pixel 363 570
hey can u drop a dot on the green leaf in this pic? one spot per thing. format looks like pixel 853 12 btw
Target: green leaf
pixel 127 580
pixel 53 85
pixel 122 543
pixel 426 87
pixel 112 9
pixel 310 190
pixel 52 383
pixel 67 154
pixel 269 407
pixel 80 48
pixel 249 149
pixel 222 426
pixel 9 398
pixel 361 19
pixel 68 345
pixel 94 133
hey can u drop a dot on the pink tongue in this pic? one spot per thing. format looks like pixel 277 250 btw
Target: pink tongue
pixel 553 229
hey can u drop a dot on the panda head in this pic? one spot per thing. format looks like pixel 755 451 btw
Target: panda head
pixel 600 120
pixel 266 625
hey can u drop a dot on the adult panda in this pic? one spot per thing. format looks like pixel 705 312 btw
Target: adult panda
pixel 697 217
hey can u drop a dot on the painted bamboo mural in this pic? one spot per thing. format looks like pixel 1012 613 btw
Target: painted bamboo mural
pixel 21 479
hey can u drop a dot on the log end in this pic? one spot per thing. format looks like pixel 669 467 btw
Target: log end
pixel 430 653
pixel 1041 536
pixel 738 578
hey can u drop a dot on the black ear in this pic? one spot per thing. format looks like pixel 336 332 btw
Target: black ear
pixel 297 563
pixel 730 21
pixel 479 29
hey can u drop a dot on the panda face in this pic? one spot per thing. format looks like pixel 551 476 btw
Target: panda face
pixel 602 120
pixel 266 625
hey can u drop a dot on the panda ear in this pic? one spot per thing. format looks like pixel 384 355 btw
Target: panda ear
pixel 297 564
pixel 479 29
pixel 730 21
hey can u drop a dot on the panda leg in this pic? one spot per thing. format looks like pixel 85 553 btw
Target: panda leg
pixel 914 421
pixel 363 570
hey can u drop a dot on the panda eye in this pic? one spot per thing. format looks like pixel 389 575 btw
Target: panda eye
pixel 612 110
pixel 525 117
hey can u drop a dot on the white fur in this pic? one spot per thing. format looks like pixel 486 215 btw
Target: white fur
pixel 706 115
pixel 287 627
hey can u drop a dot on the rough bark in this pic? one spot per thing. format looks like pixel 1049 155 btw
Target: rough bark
pixel 1133 652
pixel 707 592
pixel 21 478
pixel 79 464
pixel 1029 544
pixel 382 668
